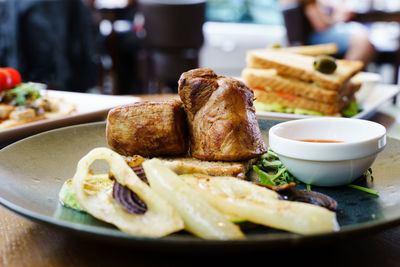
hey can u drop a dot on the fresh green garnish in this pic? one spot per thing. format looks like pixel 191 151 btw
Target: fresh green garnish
pixel 68 197
pixel 271 171
pixel 23 92
pixel 367 176
pixel 351 110
pixel 301 111
pixel 276 107
pixel 364 189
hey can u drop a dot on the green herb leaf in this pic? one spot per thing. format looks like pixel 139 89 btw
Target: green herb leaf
pixel 276 107
pixel 271 171
pixel 364 189
pixel 263 177
pixel 23 92
pixel 351 110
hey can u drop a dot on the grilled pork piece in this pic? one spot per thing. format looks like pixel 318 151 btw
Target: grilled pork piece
pixel 148 129
pixel 222 120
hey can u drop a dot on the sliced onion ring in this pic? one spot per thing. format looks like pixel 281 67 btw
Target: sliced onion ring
pixel 128 199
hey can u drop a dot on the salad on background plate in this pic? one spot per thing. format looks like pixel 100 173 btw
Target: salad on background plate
pixel 22 103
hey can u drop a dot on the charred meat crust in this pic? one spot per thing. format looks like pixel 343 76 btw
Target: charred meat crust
pixel 196 86
pixel 221 115
pixel 148 129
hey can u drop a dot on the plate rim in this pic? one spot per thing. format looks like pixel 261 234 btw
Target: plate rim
pixel 68 119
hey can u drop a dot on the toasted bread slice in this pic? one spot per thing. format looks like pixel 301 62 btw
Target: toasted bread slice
pixel 292 101
pixel 301 67
pixel 190 165
pixel 311 50
pixel 212 168
pixel 269 78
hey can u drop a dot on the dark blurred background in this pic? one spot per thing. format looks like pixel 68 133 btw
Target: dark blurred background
pixel 137 47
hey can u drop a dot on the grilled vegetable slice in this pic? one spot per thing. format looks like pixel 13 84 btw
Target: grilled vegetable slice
pixel 260 205
pixel 160 218
pixel 199 216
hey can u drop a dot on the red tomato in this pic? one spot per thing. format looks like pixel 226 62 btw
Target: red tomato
pixel 3 81
pixel 15 76
pixel 9 78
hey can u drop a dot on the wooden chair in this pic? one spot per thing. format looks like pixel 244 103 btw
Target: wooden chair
pixel 117 51
pixel 173 38
pixel 297 25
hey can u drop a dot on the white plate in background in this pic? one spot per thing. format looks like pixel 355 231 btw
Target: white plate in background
pixel 89 107
pixel 368 82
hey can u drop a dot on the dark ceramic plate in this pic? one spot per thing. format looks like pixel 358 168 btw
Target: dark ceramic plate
pixel 33 170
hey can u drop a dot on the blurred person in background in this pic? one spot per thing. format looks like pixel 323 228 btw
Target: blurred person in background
pixel 330 23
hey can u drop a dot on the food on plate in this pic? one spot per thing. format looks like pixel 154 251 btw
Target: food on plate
pixel 351 110
pixel 291 82
pixel 221 117
pixel 24 102
pixel 126 201
pixel 310 50
pixel 187 165
pixel 226 129
pixel 216 141
pixel 325 64
pixel 276 93
pixel 9 78
pixel 260 205
pixel 67 194
pixel 309 196
pixel 205 204
pixel 200 217
pixel 270 171
pixel 302 67
pixel 148 129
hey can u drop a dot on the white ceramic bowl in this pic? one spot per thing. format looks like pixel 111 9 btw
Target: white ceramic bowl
pixel 327 164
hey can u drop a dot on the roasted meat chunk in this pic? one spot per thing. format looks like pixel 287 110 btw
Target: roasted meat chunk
pixel 221 116
pixel 148 129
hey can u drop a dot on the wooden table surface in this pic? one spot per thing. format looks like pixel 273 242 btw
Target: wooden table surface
pixel 27 243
